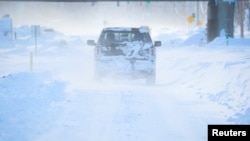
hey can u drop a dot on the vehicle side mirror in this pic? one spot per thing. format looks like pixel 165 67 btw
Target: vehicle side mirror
pixel 157 43
pixel 91 42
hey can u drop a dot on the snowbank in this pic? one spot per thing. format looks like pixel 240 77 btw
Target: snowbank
pixel 219 70
pixel 25 104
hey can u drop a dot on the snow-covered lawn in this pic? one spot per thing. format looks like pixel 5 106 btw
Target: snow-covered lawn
pixel 197 84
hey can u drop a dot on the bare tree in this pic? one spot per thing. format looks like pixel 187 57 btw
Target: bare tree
pixel 241 6
pixel 248 16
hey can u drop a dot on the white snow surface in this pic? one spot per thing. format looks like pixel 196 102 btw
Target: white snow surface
pixel 57 99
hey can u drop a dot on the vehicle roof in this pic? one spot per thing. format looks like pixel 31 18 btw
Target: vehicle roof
pixel 141 29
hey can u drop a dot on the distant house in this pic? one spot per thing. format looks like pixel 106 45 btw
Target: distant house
pixel 6 26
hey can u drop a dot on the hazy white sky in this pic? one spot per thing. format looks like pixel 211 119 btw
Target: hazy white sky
pixel 78 18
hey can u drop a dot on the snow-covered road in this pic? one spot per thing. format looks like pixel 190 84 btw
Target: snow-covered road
pixel 174 109
pixel 130 110
pixel 133 113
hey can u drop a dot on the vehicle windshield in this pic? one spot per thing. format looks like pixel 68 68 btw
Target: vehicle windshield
pixel 123 36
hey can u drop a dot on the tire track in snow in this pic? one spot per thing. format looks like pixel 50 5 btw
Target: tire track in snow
pixel 126 113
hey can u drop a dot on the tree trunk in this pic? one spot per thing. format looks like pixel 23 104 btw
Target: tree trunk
pixel 212 20
pixel 220 17
pixel 226 17
pixel 242 17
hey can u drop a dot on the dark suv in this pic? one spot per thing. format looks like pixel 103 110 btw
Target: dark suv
pixel 125 52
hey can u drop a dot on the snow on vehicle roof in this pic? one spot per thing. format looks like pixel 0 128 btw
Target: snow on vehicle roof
pixel 119 28
pixel 144 29
pixel 141 29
